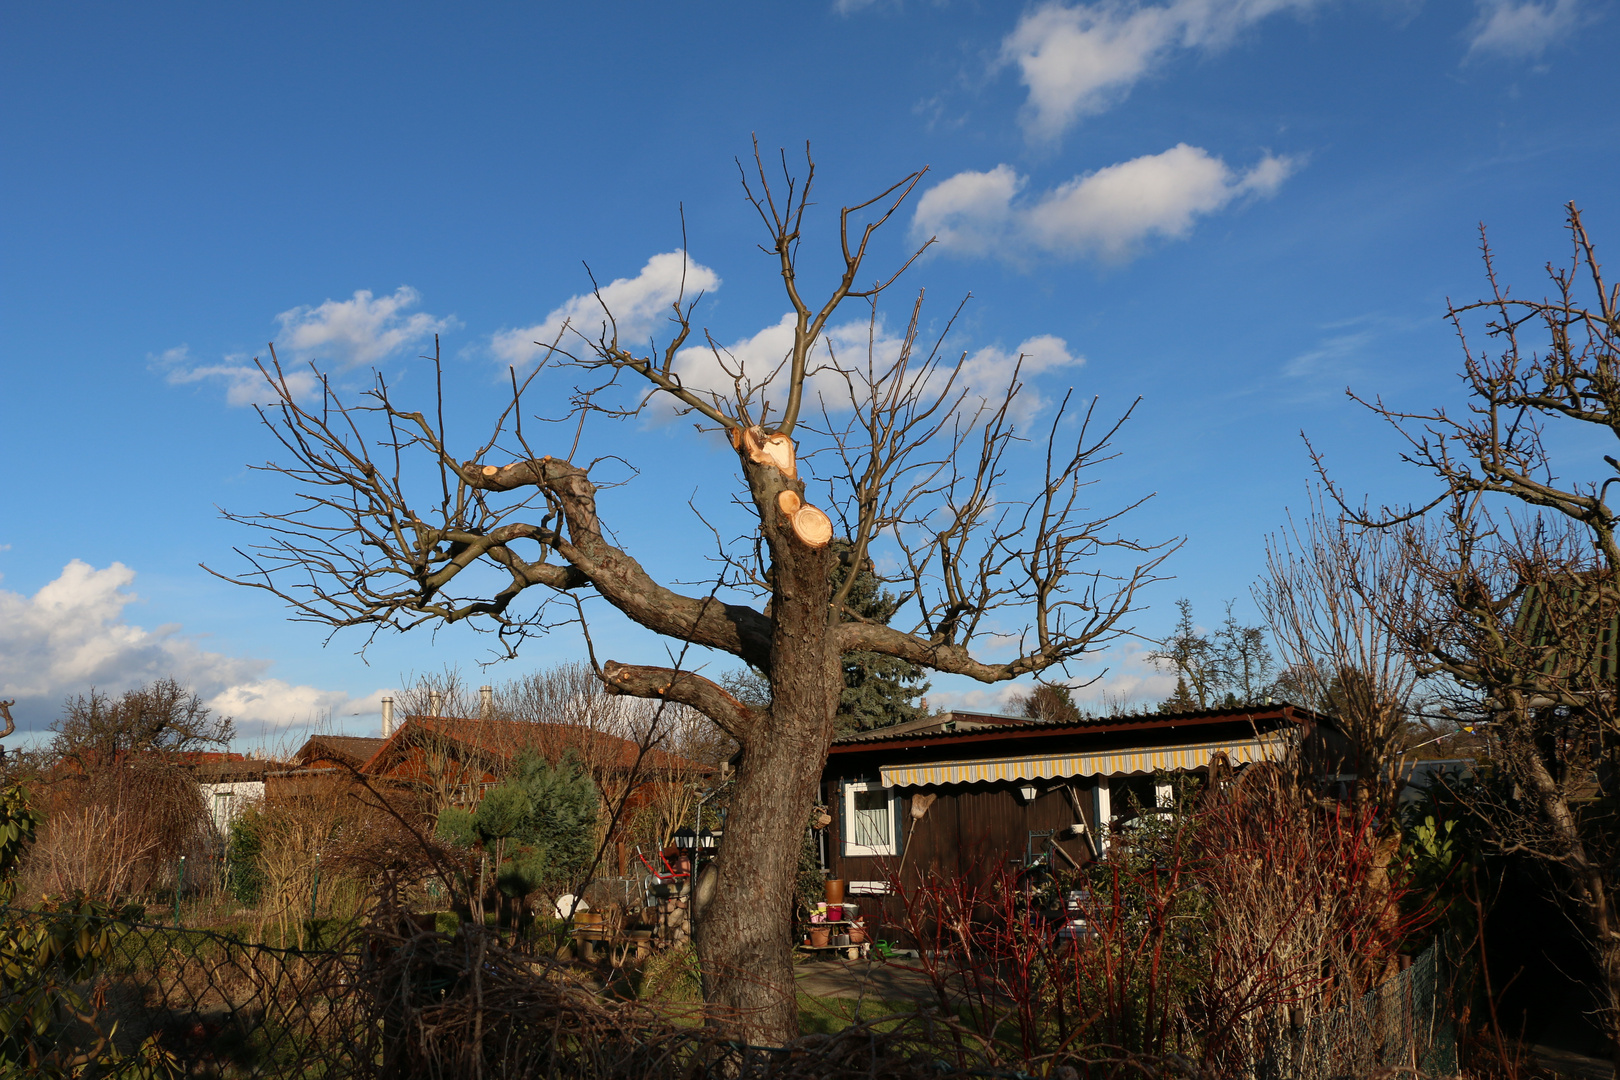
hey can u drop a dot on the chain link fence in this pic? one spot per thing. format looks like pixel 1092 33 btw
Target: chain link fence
pixel 1403 1026
pixel 160 1001
pixel 156 1000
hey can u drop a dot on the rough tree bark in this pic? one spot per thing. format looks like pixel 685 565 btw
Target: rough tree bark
pixel 917 467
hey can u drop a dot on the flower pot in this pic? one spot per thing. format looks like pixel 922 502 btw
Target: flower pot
pixel 818 937
pixel 857 935
pixel 840 939
pixel 835 913
pixel 851 911
pixel 835 891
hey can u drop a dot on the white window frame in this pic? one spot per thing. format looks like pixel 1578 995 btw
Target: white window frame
pixel 850 847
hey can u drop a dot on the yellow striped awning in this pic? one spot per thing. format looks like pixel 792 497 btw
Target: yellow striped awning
pixel 1113 763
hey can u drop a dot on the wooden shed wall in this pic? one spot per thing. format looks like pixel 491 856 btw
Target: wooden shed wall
pixel 971 830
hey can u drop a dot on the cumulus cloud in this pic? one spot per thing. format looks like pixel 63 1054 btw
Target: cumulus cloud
pixel 361 330
pixel 1107 213
pixel 1522 30
pixel 1080 60
pixel 639 306
pixel 760 360
pixel 1117 679
pixel 72 635
pixel 244 383
pixel 340 334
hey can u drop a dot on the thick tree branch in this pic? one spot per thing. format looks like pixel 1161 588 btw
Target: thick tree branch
pixel 618 577
pixel 684 688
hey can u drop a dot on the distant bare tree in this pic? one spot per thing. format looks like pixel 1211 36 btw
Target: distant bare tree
pixel 1328 591
pixel 1513 598
pixel 160 718
pixel 912 459
pixel 1231 666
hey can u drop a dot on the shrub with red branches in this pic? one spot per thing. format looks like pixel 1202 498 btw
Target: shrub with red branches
pixel 1211 934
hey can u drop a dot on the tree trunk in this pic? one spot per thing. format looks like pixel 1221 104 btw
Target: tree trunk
pixel 745 939
pixel 1591 890
pixel 745 936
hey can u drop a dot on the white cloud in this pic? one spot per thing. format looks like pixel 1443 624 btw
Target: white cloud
pixel 1522 30
pixel 761 361
pixel 970 212
pixel 337 334
pixel 639 306
pixel 361 330
pixel 1107 213
pixel 244 383
pixel 71 635
pixel 1077 61
pixel 1126 681
pixel 990 369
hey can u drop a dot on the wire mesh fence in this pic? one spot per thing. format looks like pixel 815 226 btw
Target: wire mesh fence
pixel 84 993
pixel 1402 1026
pixel 122 997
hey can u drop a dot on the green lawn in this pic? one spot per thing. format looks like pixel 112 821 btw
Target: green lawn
pixel 826 1015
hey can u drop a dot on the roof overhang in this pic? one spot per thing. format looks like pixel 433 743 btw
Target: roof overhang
pixel 1124 762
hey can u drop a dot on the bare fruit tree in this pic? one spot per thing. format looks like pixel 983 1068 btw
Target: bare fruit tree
pixel 1511 600
pixel 905 459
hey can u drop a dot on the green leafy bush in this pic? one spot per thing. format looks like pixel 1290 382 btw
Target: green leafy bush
pixel 242 851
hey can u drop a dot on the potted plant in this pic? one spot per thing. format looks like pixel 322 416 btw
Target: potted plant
pixel 818 927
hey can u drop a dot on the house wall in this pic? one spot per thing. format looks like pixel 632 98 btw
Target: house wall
pixel 227 799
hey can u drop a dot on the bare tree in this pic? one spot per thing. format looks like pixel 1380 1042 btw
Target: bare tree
pixel 1514 600
pixel 161 718
pixel 910 459
pixel 1327 592
pixel 1232 666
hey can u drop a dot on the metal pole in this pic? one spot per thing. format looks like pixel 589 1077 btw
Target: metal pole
pixel 315 889
pixel 179 887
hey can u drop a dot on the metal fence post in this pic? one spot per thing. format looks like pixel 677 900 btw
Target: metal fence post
pixel 315 889
pixel 179 887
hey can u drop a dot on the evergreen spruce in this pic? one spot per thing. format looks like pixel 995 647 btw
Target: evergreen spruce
pixel 879 691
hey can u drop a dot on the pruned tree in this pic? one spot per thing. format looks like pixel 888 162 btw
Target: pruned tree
pixel 1513 600
pixel 905 456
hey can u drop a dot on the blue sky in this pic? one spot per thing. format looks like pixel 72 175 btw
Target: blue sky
pixel 1232 208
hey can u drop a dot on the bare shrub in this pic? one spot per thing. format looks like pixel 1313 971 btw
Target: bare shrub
pixel 120 831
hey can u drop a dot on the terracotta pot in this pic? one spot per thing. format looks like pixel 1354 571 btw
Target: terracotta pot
pixel 818 937
pixel 857 935
pixel 835 891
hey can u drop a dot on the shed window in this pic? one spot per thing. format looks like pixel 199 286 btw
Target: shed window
pixel 870 811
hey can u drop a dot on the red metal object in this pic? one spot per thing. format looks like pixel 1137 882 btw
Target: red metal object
pixel 668 873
